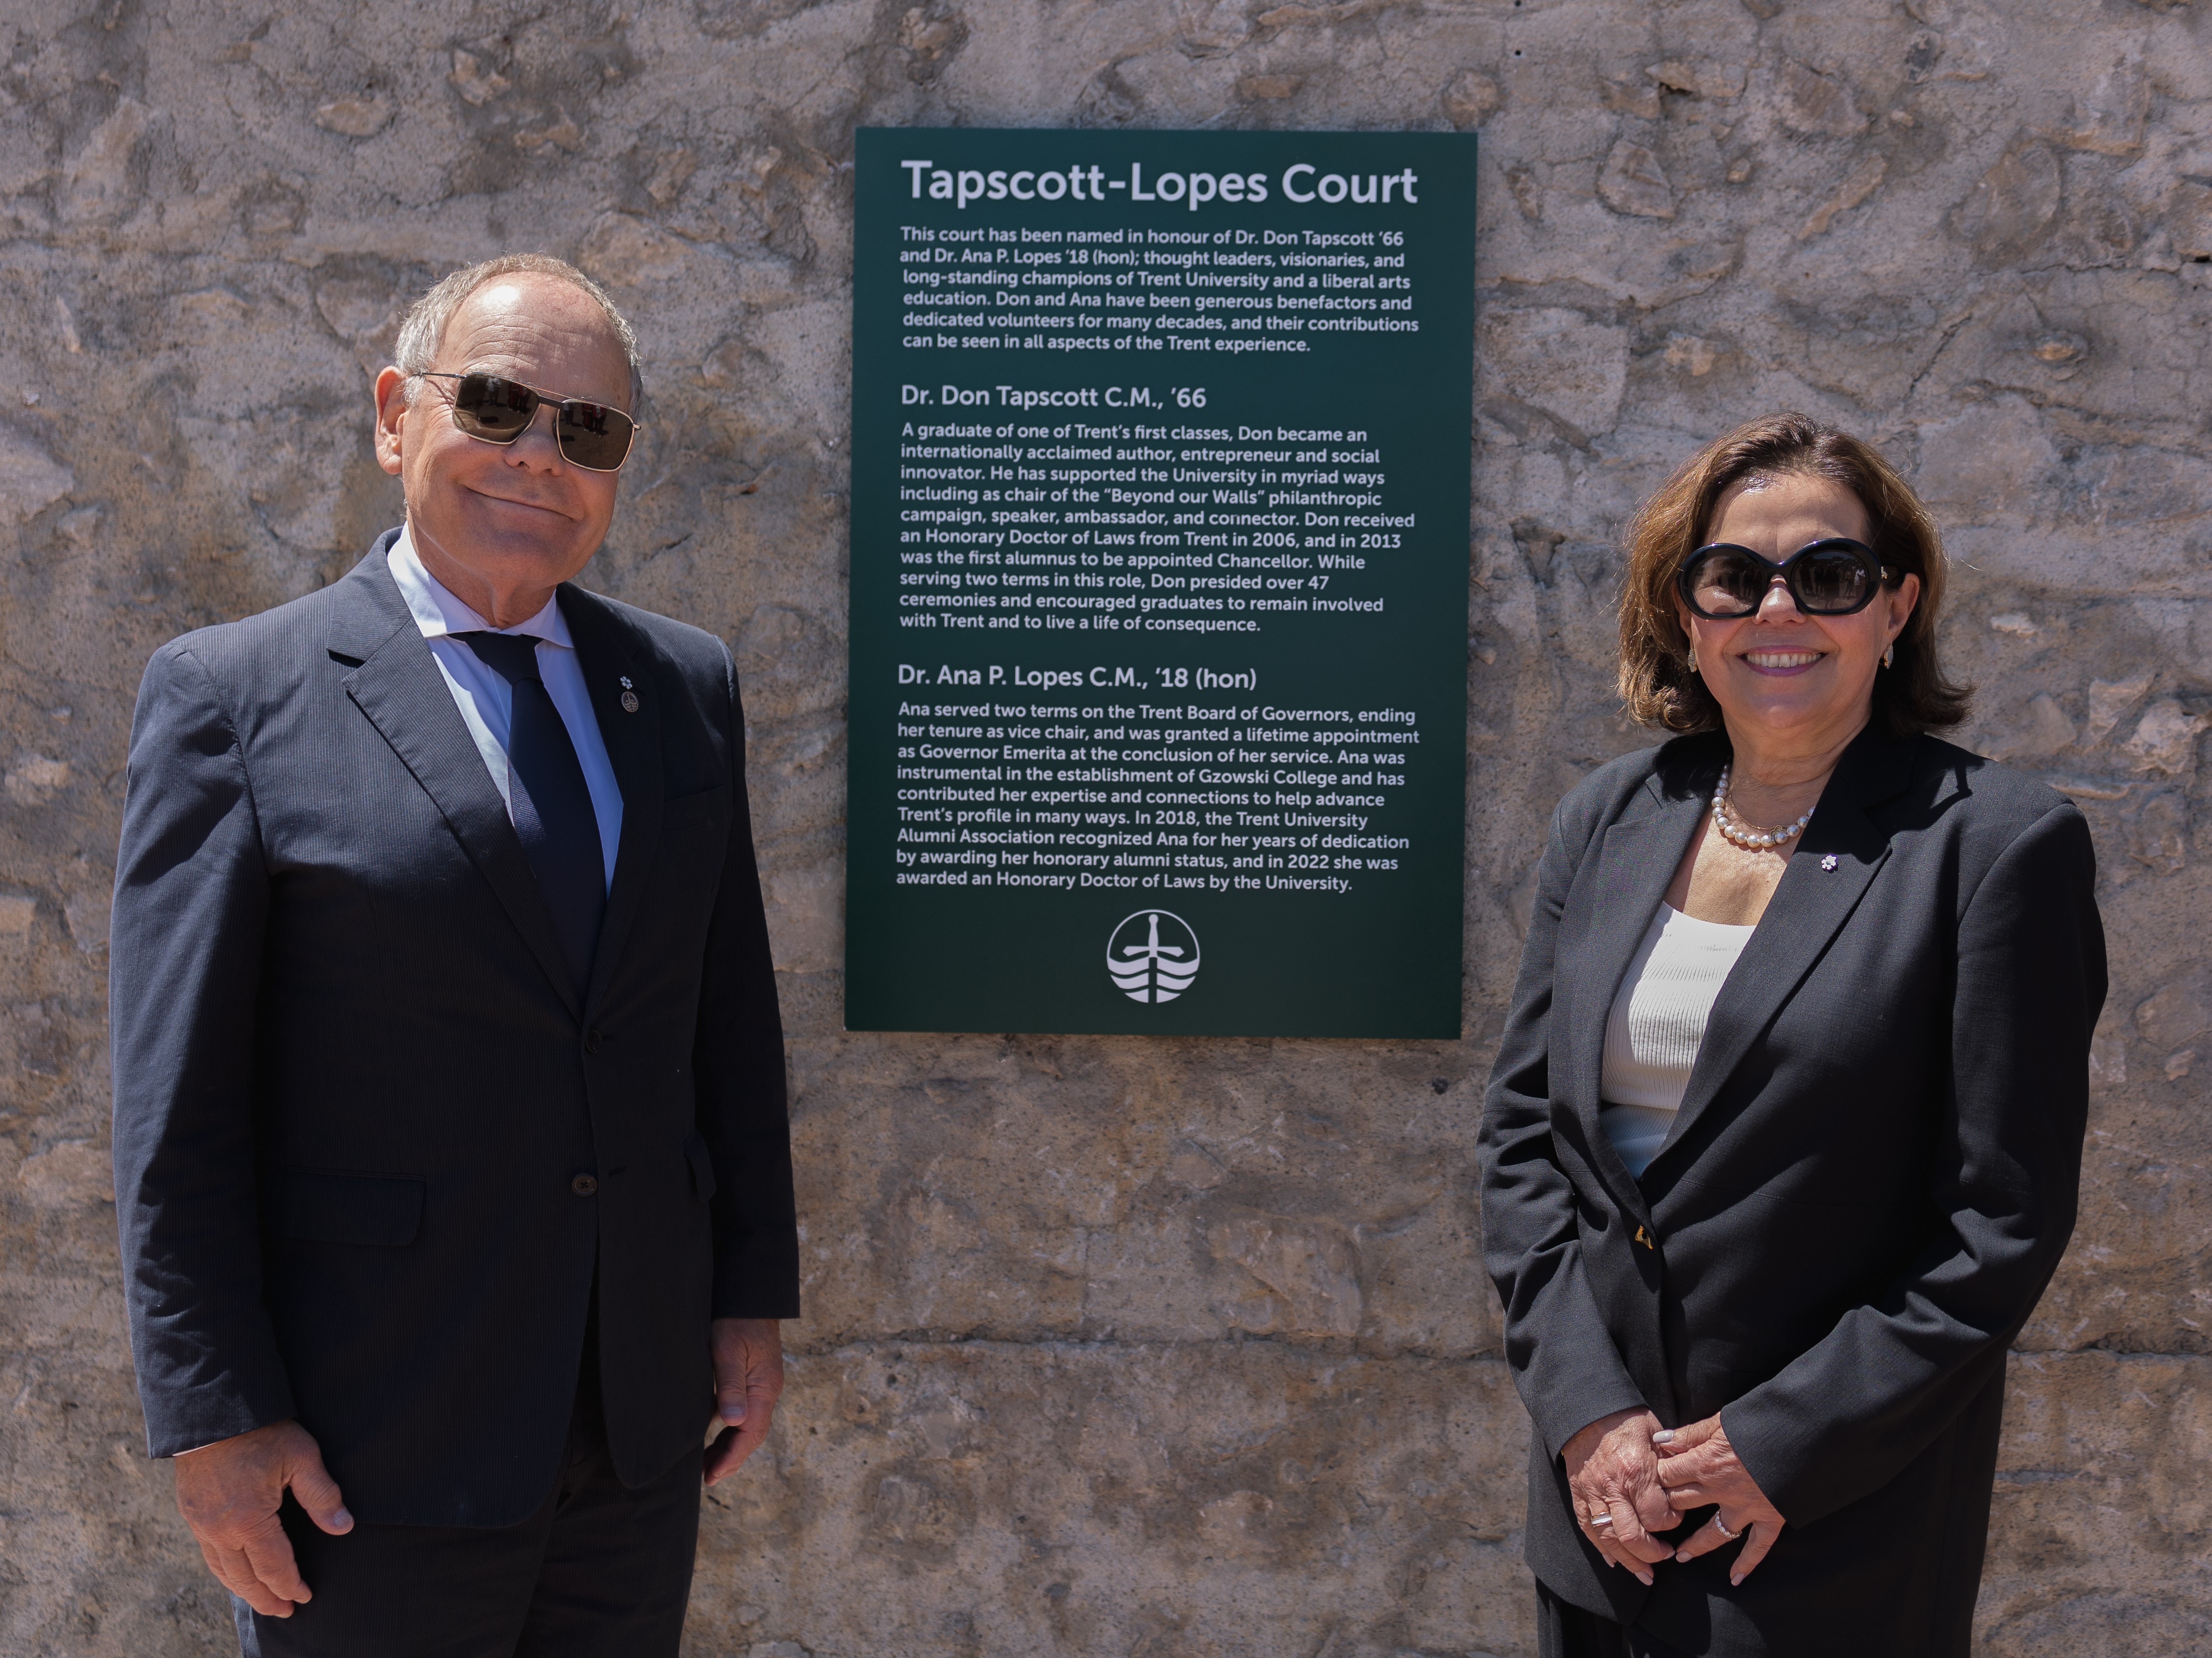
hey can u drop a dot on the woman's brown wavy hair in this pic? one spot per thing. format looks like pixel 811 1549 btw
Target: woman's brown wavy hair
pixel 1656 681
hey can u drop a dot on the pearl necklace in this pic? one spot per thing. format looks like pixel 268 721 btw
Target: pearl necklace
pixel 1738 833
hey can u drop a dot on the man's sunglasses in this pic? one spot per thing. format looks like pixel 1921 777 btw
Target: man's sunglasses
pixel 1836 576
pixel 593 435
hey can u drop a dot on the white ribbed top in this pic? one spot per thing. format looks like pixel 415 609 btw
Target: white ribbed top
pixel 1657 1024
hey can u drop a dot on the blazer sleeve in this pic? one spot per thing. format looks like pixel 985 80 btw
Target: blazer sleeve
pixel 1564 1361
pixel 1849 1414
pixel 738 1059
pixel 192 902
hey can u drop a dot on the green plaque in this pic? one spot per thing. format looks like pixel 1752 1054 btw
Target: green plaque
pixel 1160 474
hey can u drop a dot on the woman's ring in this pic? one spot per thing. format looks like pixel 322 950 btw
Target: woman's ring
pixel 1600 1519
pixel 1721 1525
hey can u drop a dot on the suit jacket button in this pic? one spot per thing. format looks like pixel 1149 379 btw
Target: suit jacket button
pixel 592 1039
pixel 584 1185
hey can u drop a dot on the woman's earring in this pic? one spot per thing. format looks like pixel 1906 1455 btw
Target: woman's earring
pixel 1694 659
pixel 1889 656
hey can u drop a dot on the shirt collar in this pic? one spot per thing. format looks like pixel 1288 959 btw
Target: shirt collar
pixel 437 612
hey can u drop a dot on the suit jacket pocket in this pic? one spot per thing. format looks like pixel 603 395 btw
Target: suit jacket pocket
pixel 702 1166
pixel 705 806
pixel 319 1206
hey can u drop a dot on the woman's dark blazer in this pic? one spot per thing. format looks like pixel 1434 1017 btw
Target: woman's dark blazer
pixel 1869 1182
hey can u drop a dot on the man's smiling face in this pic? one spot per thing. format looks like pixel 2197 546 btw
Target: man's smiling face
pixel 516 518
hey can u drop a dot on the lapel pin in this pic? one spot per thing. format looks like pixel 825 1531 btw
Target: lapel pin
pixel 1828 862
pixel 629 696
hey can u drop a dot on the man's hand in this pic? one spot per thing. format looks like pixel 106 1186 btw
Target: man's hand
pixel 228 1493
pixel 1699 1468
pixel 748 1380
pixel 1613 1475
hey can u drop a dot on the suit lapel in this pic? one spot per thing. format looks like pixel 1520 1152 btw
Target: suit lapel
pixel 606 651
pixel 397 686
pixel 1816 896
pixel 1635 863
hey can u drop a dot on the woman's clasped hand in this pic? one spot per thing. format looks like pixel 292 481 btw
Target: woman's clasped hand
pixel 1632 1478
pixel 1613 1473
pixel 1699 1468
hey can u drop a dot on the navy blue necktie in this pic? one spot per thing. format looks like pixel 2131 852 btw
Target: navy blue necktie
pixel 549 801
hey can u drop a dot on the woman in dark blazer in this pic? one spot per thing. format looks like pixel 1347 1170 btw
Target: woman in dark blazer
pixel 1782 1141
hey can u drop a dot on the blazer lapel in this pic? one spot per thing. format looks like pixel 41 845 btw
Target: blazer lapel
pixel 606 651
pixel 1816 896
pixel 1635 864
pixel 397 686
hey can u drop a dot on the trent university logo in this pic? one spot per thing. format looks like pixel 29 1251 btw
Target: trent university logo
pixel 1153 957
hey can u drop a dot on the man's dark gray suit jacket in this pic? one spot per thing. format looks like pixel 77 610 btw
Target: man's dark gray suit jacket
pixel 1868 1184
pixel 360 1106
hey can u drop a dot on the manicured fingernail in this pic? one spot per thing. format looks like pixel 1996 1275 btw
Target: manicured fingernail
pixel 734 1413
pixel 1664 1436
pixel 342 1518
pixel 1682 1559
pixel 1736 1583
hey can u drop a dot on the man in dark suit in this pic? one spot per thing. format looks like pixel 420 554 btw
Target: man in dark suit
pixel 452 1158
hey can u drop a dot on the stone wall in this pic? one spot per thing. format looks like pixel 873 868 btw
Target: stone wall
pixel 1168 1348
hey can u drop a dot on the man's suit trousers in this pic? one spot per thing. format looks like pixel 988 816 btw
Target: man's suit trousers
pixel 600 1569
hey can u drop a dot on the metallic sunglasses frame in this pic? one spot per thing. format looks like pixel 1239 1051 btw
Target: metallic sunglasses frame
pixel 1788 570
pixel 560 405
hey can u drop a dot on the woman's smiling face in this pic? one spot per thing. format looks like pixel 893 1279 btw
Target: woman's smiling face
pixel 1778 671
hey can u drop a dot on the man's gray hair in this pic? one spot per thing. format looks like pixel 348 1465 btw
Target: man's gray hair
pixel 423 328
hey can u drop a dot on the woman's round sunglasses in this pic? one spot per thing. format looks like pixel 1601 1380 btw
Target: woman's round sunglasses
pixel 1836 576
pixel 593 435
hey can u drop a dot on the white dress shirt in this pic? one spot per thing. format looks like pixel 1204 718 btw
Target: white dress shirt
pixel 486 702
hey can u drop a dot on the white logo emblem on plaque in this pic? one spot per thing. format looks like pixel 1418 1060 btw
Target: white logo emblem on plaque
pixel 1153 957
